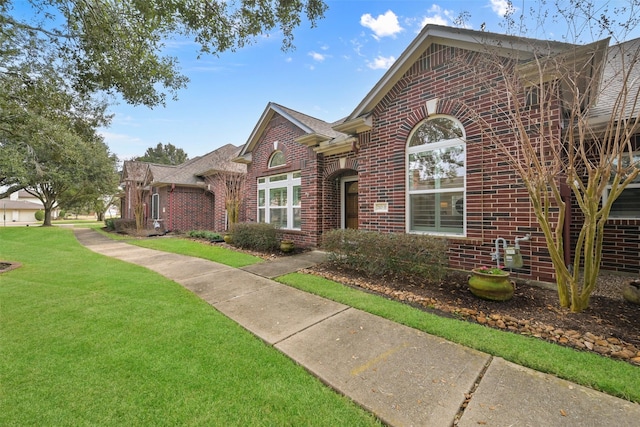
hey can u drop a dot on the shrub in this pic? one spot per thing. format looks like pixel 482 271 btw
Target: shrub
pixel 39 215
pixel 257 236
pixel 379 254
pixel 126 226
pixel 109 224
pixel 204 234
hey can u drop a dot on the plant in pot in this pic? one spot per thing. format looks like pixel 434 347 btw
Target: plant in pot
pixel 491 283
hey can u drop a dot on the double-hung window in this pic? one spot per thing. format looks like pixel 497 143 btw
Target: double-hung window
pixel 436 155
pixel 279 199
pixel 627 205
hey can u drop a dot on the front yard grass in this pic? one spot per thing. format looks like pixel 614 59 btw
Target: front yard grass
pixel 90 340
pixel 611 376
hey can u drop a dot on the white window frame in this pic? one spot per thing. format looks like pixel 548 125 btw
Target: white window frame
pixel 635 184
pixel 291 181
pixel 432 146
pixel 155 206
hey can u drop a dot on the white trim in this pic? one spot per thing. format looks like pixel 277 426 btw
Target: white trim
pixel 434 146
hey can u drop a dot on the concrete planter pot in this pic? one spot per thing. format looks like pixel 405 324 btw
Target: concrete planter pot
pixel 494 287
pixel 631 292
pixel 286 246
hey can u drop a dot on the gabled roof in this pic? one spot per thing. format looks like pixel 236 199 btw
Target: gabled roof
pixel 189 173
pixel 621 69
pixel 472 40
pixel 316 131
pixel 192 172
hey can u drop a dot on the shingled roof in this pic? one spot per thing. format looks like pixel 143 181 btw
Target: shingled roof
pixel 189 173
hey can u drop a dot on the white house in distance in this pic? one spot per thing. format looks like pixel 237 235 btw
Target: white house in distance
pixel 19 207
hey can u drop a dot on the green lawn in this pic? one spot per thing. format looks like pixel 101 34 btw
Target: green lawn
pixel 191 248
pixel 89 340
pixel 611 376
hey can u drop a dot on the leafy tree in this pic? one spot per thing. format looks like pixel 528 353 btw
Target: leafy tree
pixel 165 154
pixel 116 46
pixel 561 82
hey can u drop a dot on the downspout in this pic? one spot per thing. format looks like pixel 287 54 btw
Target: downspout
pixel 173 187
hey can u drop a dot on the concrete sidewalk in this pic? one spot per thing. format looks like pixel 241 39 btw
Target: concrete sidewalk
pixel 403 376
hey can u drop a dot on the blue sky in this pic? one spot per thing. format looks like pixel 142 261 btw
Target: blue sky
pixel 330 71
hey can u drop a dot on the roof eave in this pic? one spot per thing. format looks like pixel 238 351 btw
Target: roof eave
pixel 355 126
pixel 312 140
pixel 340 146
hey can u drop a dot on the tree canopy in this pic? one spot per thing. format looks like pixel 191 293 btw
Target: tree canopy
pixel 164 154
pixel 117 46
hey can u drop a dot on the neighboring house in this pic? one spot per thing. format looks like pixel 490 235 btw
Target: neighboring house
pixel 374 170
pixel 20 207
pixel 180 198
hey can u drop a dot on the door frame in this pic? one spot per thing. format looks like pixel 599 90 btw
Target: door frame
pixel 343 198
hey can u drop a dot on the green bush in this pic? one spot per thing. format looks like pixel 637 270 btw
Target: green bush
pixel 39 215
pixel 109 224
pixel 379 254
pixel 204 234
pixel 256 236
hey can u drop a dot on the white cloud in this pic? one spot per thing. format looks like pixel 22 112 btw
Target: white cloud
pixel 501 7
pixel 437 15
pixel 318 57
pixel 381 63
pixel 382 26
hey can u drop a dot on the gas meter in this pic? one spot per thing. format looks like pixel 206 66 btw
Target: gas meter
pixel 512 257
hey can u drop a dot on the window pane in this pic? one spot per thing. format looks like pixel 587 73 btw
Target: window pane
pixel 278 217
pixel 433 169
pixel 434 130
pixel 261 199
pixel 627 205
pixel 278 197
pixel 297 175
pixel 277 159
pixel 439 212
pixel 278 178
pixel 297 195
pixel 261 215
pixel 297 218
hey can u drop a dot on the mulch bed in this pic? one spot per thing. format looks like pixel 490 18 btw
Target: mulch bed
pixel 608 327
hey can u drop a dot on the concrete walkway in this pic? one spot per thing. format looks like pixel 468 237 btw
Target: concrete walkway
pixel 403 376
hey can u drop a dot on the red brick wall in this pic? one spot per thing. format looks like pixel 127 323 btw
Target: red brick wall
pixel 298 158
pixel 497 205
pixel 186 208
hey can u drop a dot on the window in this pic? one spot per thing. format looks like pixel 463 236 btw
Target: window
pixel 155 206
pixel 279 200
pixel 436 177
pixel 277 159
pixel 627 205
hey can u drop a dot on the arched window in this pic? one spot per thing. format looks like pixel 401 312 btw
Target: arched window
pixel 277 159
pixel 436 157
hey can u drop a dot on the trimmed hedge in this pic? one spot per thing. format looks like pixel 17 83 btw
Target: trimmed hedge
pixel 204 234
pixel 380 254
pixel 255 236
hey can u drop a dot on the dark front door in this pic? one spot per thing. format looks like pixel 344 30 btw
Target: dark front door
pixel 351 204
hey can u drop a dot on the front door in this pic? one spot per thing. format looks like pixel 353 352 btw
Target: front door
pixel 351 204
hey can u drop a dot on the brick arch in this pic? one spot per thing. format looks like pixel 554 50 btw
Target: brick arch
pixel 446 106
pixel 333 168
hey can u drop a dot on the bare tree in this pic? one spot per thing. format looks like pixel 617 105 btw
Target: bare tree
pixel 232 184
pixel 573 110
pixel 137 178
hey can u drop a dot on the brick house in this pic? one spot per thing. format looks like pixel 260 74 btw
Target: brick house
pixel 184 197
pixel 411 159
